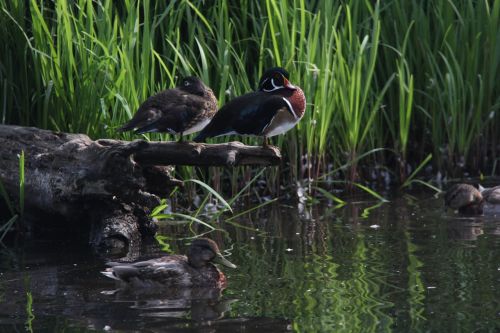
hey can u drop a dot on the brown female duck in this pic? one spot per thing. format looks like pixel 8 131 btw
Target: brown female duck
pixel 194 270
pixel 465 198
pixel 469 200
pixel 183 110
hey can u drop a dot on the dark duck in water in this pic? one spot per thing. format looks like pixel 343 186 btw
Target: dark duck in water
pixel 194 270
pixel 491 197
pixel 465 198
pixel 183 110
pixel 469 200
pixel 275 108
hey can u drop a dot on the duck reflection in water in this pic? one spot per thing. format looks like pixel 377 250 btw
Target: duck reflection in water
pixel 200 304
pixel 468 231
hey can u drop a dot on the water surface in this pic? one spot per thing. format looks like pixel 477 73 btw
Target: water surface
pixel 402 266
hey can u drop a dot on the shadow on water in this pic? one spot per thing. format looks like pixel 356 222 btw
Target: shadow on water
pixel 402 266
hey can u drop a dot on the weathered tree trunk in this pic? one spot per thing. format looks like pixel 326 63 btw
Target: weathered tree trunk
pixel 109 184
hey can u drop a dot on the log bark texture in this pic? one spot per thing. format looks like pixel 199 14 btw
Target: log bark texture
pixel 109 184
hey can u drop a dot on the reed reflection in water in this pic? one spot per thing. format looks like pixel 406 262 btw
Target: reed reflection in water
pixel 402 266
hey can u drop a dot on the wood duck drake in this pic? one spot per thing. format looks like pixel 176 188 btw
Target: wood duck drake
pixel 275 108
pixel 473 201
pixel 194 270
pixel 186 109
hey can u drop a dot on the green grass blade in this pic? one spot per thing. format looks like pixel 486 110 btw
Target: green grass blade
pixel 192 219
pixel 160 208
pixel 212 191
pixel 427 184
pixel 251 209
pixel 417 170
pixel 7 226
pixel 371 192
pixel 247 185
pixel 330 196
pixel 21 183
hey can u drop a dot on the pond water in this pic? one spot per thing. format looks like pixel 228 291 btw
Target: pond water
pixel 402 266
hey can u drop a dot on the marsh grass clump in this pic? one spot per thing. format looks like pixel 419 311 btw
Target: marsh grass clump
pixel 418 79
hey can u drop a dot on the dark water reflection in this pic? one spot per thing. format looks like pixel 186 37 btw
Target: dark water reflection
pixel 404 266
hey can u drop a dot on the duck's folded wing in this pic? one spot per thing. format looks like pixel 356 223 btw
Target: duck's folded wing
pixel 255 117
pixel 122 273
pixel 168 111
pixel 247 115
pixel 163 273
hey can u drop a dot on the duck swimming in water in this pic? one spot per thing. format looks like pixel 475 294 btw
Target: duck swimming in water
pixel 465 198
pixel 194 270
pixel 491 196
pixel 469 200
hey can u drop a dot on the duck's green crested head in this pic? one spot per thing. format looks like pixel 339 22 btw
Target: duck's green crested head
pixel 203 251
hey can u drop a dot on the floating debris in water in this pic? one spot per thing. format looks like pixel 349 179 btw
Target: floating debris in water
pixel 374 226
pixel 289 250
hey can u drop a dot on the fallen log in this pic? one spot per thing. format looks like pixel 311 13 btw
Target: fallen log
pixel 109 185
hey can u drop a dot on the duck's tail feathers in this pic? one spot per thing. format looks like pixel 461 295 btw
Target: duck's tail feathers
pixel 153 127
pixel 127 127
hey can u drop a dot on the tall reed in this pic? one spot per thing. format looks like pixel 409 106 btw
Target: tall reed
pixel 416 78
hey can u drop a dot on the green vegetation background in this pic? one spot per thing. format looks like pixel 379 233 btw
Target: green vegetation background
pixel 413 77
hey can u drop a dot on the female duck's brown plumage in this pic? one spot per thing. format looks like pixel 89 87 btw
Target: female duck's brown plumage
pixel 183 110
pixel 472 201
pixel 275 108
pixel 194 270
pixel 466 198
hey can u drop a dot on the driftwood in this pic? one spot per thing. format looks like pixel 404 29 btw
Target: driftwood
pixel 109 185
